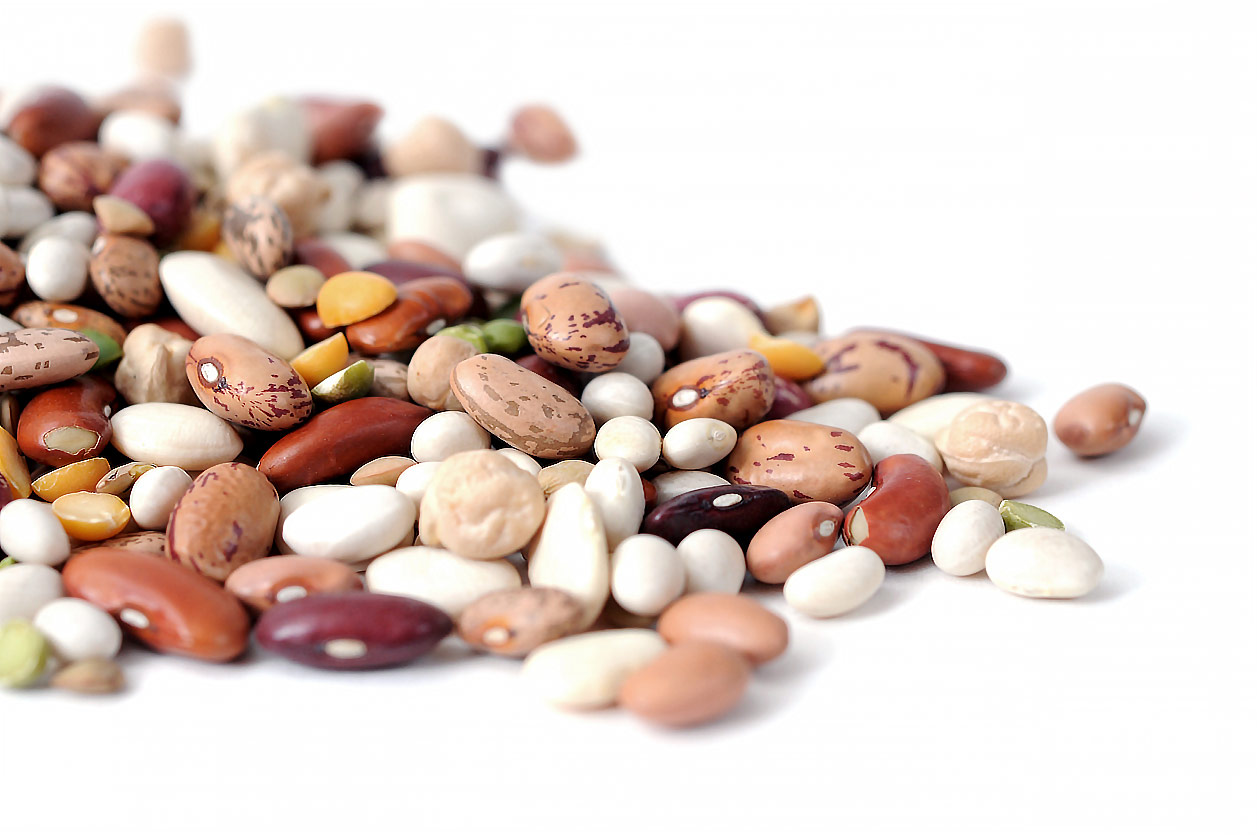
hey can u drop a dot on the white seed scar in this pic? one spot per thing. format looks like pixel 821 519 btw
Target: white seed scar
pixel 64 315
pixel 290 593
pixel 345 648
pixel 209 372
pixel 684 397
pixel 134 617
pixel 496 636
pixel 727 500
pixel 826 528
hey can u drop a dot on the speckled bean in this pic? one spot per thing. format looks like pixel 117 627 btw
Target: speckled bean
pixel 514 622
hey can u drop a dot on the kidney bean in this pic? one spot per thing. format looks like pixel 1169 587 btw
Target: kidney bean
pixel 164 192
pixel 687 684
pixel 417 252
pixel 311 325
pixel 339 129
pixel 452 295
pixel 739 511
pixel 68 423
pixel 1100 420
pixel 401 270
pixel 262 584
pixel 788 398
pixel 792 539
pixel 554 374
pixel 338 441
pixel 898 519
pixel 167 606
pixel 353 630
pixel 967 369
pixel 401 326
pixel 317 253
pixel 514 622
pixel 809 461
pixel 735 386
pixel 54 116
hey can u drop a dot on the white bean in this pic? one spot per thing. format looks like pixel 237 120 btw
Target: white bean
pixel 615 488
pixel 172 434
pixel 644 358
pixel 512 261
pixel 714 325
pixel 849 413
pixel 414 481
pixel 883 439
pixel 26 587
pixel 926 417
pixel 343 179
pixel 961 540
pixel 615 394
pixel 836 583
pixel 17 166
pixel 452 212
pixel 586 671
pixel 1043 562
pixel 155 494
pixel 646 574
pixel 56 269
pixel 21 210
pixel 351 525
pixel 293 500
pixel 631 438
pixel 522 460
pixel 78 630
pixel 440 577
pixel 570 551
pixel 359 250
pixel 31 532
pixel 445 434
pixel 139 135
pixel 670 485
pixel 77 226
pixel 713 561
pixel 697 443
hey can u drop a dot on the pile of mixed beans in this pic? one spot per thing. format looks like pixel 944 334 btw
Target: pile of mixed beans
pixel 299 385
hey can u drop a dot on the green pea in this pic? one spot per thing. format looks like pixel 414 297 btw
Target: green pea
pixel 7 561
pixel 349 383
pixel 468 333
pixel 109 349
pixel 1021 515
pixel 23 653
pixel 504 336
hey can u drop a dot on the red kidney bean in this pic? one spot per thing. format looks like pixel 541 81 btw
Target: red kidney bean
pixel 452 295
pixel 417 252
pixel 50 118
pixel 399 327
pixel 352 630
pixel 554 374
pixel 338 441
pixel 401 270
pixel 898 519
pixel 315 253
pixel 340 129
pixel 789 398
pixel 310 325
pixel 67 423
pixel 737 510
pixel 164 192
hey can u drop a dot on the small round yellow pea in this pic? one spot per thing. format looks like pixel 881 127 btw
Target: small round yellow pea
pixel 353 296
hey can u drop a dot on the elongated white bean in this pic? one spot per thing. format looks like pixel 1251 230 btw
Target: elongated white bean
pixel 586 671
pixel 171 434
pixel 615 488
pixel 293 500
pixel 440 577
pixel 849 413
pixel 961 540
pixel 155 494
pixel 883 439
pixel 670 485
pixel 1043 562
pixel 698 443
pixel 836 583
pixel 78 630
pixel 445 434
pixel 351 525
pixel 569 553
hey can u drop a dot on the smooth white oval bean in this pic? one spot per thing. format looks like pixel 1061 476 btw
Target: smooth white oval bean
pixel 277 124
pixel 17 166
pixel 632 438
pixel 615 488
pixel 155 494
pixel 961 540
pixel 343 179
pixel 714 325
pixel 359 250
pixel 175 435
pixel 522 460
pixel 713 561
pixel 215 296
pixel 21 210
pixel 883 439
pixel 26 588
pixel 56 269
pixel 644 358
pixel 30 532
pixel 570 551
pixel 78 630
pixel 414 481
pixel 452 212
pixel 849 413
pixel 351 525
pixel 586 671
pixel 836 583
pixel 293 500
pixel 512 261
pixel 1043 562
pixel 697 443
pixel 77 226
pixel 139 135
pixel 646 574
pixel 445 434
pixel 926 417
pixel 440 577
pixel 614 394
pixel 670 485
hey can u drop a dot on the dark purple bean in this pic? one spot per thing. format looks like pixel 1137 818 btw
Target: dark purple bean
pixel 352 630
pixel 165 193
pixel 789 398
pixel 738 510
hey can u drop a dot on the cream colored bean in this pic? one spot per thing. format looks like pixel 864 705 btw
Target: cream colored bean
pixel 293 500
pixel 698 443
pixel 644 358
pixel 22 209
pixel 31 533
pixel 343 180
pixel 714 325
pixel 997 444
pixel 414 481
pixel 849 413
pixel 358 250
pixel 927 416
pixel 963 537
pixel 139 135
pixel 670 485
pixel 452 212
pixel 615 394
pixel 171 434
pixel 1043 562
pixel 480 505
pixel 440 577
pixel 646 574
pixel 155 494
pixel 883 439
pixel 78 630
pixel 56 269
pixel 76 226
pixel 522 460
pixel 569 553
pixel 445 434
pixel 835 584
pixel 615 488
pixel 17 166
pixel 713 562
pixel 631 438
pixel 582 672
pixel 25 588
pixel 350 525
pixel 512 261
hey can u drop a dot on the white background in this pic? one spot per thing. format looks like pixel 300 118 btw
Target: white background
pixel 1073 184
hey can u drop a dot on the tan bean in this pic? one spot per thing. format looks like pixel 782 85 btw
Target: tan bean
pixel 687 684
pixel 1100 420
pixel 124 271
pixel 792 539
pixel 514 622
pixel 572 323
pixel 735 386
pixel 887 370
pixel 734 620
pixel 225 519
pixel 480 505
pixel 806 461
pixel 263 583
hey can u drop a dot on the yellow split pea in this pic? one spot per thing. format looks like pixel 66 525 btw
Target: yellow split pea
pixel 353 296
pixel 788 358
pixel 79 477
pixel 322 359
pixel 92 517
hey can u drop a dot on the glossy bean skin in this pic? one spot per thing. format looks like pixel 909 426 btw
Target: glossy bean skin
pixel 559 376
pixel 338 441
pixel 50 118
pixel 514 622
pixel 688 684
pixel 186 613
pixel 401 270
pixel 1100 420
pixel 224 520
pixel 708 508
pixel 733 386
pixel 164 192
pixel 452 295
pixel 734 620
pixel 682 302
pixel 402 326
pixel 340 129
pixel 320 255
pixel 353 630
pixel 792 539
pixel 897 520
pixel 967 369
pixel 572 323
pixel 788 398
pixel 84 404
pixel 262 584
pixel 809 461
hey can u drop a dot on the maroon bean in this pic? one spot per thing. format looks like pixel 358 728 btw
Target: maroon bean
pixel 739 511
pixel 353 630
pixel 558 376
pixel 789 397
pixel 164 192
pixel 340 129
pixel 399 270
pixel 313 252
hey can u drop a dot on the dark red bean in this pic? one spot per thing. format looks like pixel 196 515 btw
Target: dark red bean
pixel 313 252
pixel 165 193
pixel 738 510
pixel 558 376
pixel 789 398
pixel 355 630
pixel 340 129
pixel 399 270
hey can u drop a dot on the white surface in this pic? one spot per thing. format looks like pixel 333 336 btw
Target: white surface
pixel 1071 183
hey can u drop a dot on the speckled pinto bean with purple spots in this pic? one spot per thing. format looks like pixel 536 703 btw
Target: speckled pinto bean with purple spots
pixel 572 323
pixel 807 461
pixel 241 382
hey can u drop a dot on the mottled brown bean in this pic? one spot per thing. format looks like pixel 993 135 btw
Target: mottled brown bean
pixel 124 272
pixel 809 461
pixel 225 519
pixel 514 622
pixel 734 386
